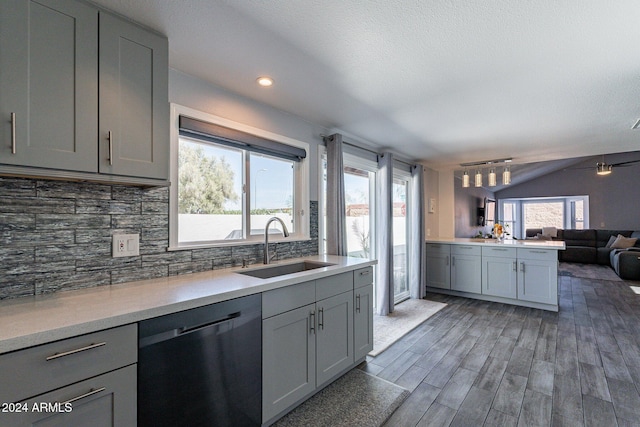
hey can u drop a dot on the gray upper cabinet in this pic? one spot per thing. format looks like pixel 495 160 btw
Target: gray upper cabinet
pixel 48 84
pixel 80 102
pixel 134 106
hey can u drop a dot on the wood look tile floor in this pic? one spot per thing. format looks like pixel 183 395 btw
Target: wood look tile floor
pixel 478 363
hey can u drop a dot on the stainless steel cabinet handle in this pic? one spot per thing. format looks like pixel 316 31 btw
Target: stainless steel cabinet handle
pixel 522 266
pixel 365 273
pixel 82 396
pixel 538 252
pixel 109 137
pixel 78 350
pixel 321 318
pixel 312 322
pixel 515 266
pixel 447 259
pixel 358 303
pixel 453 261
pixel 13 133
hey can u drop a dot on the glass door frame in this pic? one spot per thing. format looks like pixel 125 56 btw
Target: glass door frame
pixel 405 177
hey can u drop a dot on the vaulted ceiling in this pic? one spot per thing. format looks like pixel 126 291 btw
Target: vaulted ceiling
pixel 442 81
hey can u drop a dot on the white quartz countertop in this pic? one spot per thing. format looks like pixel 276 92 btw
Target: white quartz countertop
pixel 533 244
pixel 29 321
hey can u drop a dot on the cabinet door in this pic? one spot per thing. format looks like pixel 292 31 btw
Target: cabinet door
pixel 334 341
pixel 363 321
pixel 48 80
pixel 438 270
pixel 538 281
pixel 288 359
pixel 499 277
pixel 107 400
pixel 466 273
pixel 134 108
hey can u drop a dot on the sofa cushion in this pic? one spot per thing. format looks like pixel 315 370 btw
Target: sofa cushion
pixel 603 236
pixel 623 242
pixel 580 238
pixel 636 234
pixel 581 254
pixel 610 242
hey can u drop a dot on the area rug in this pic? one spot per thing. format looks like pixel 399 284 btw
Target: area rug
pixel 406 316
pixel 356 399
pixel 588 271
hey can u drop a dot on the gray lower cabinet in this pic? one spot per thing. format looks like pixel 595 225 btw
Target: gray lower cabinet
pixel 289 359
pixel 439 265
pixel 499 272
pixel 106 400
pixel 334 338
pixel 538 276
pixel 363 321
pixel 466 269
pixel 84 95
pixel 310 332
pixel 86 380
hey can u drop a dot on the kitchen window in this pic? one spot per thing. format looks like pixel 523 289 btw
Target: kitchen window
pixel 227 180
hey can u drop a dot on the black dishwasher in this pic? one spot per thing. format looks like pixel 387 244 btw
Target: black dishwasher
pixel 202 367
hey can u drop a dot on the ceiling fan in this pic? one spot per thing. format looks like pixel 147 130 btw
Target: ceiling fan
pixel 606 168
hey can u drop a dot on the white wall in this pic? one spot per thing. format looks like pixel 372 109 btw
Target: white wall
pixel 194 93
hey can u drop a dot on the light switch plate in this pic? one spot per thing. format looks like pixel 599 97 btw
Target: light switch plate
pixel 125 245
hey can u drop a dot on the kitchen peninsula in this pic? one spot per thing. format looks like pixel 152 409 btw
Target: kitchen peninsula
pixel 519 272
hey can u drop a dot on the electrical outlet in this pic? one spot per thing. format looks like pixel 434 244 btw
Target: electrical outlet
pixel 125 245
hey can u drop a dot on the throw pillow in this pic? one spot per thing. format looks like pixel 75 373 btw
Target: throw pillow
pixel 550 231
pixel 610 242
pixel 623 242
pixel 543 237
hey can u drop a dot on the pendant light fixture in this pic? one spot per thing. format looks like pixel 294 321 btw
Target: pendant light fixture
pixel 478 178
pixel 603 168
pixel 492 177
pixel 506 175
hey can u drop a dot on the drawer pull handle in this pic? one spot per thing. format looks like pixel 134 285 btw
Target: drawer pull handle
pixel 13 133
pixel 321 318
pixel 538 252
pixel 77 350
pixel 358 303
pixel 365 273
pixel 82 396
pixel 499 249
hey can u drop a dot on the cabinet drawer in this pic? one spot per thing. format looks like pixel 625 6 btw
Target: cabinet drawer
pixel 544 254
pixel 288 298
pixel 438 248
pixel 334 285
pixel 363 277
pixel 108 399
pixel 46 367
pixel 466 250
pixel 499 252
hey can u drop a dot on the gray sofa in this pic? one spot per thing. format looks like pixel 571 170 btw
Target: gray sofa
pixel 589 247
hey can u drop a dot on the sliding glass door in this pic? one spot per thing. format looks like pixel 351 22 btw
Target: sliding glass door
pixel 400 192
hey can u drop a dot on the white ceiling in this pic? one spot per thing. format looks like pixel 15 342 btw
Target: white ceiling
pixel 442 81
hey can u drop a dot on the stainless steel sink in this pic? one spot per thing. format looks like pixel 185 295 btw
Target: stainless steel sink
pixel 282 269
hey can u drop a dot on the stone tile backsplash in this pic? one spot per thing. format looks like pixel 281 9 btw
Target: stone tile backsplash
pixel 56 235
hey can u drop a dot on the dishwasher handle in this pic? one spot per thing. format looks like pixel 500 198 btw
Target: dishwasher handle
pixel 168 334
pixel 189 329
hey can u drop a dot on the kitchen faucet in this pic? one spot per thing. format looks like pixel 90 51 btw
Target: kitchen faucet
pixel 267 258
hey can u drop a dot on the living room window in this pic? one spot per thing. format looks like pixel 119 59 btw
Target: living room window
pixel 228 180
pixel 567 212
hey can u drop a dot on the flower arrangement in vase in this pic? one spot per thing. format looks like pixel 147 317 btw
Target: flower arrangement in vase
pixel 500 230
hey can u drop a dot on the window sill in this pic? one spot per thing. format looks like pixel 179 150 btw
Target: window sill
pixel 186 247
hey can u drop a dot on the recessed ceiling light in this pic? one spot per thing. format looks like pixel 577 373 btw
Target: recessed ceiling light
pixel 265 81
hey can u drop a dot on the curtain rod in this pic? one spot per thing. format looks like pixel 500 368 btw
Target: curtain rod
pixel 323 136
